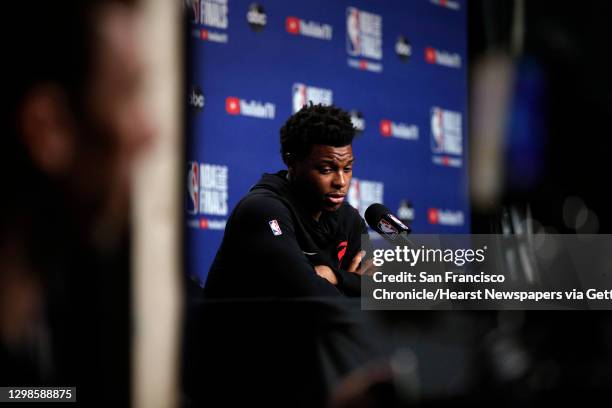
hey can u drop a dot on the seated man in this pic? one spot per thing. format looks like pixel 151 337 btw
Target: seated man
pixel 293 235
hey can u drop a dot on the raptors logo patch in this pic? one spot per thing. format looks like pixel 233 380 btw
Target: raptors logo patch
pixel 341 250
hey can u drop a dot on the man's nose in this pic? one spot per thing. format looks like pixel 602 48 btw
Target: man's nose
pixel 339 179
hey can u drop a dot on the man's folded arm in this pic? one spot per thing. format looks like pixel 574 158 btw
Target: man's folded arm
pixel 270 235
pixel 350 282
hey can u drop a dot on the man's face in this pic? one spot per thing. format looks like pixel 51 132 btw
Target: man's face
pixel 326 175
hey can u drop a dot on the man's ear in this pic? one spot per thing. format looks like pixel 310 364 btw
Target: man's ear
pixel 46 128
pixel 290 162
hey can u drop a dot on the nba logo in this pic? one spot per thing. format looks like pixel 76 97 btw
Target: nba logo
pixel 300 97
pixel 386 228
pixel 353 41
pixel 194 10
pixel 193 187
pixel 437 132
pixel 275 227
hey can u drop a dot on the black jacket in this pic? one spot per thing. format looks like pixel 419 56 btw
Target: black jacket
pixel 271 245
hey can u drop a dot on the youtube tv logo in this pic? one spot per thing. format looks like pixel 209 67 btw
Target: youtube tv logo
pixel 385 128
pixel 444 58
pixel 292 24
pixel 432 216
pixel 211 224
pixel 400 130
pixel 430 55
pixel 239 107
pixel 232 105
pixel 313 29
pixel 449 4
pixel 436 216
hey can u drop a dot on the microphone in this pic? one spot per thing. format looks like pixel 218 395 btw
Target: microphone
pixel 381 220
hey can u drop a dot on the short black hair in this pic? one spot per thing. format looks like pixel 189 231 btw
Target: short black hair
pixel 315 124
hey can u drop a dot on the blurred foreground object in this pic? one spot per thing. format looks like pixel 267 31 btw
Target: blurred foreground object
pixel 73 126
pixel 157 214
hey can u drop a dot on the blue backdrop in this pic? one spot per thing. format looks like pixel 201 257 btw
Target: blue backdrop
pixel 399 67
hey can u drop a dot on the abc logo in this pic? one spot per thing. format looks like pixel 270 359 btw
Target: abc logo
pixel 196 98
pixel 403 49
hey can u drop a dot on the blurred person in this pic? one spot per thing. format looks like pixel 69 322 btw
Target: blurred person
pixel 72 125
pixel 293 234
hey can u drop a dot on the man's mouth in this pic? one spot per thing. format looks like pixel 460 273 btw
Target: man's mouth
pixel 335 198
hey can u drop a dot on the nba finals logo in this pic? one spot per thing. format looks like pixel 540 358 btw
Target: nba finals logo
pixel 193 187
pixel 303 94
pixel 363 34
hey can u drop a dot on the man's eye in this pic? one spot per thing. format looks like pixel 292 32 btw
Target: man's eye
pixel 325 170
pixel 348 169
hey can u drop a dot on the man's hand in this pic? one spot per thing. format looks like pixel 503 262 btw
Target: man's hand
pixel 367 268
pixel 326 272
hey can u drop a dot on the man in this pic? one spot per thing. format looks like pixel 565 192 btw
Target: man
pixel 72 127
pixel 293 234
